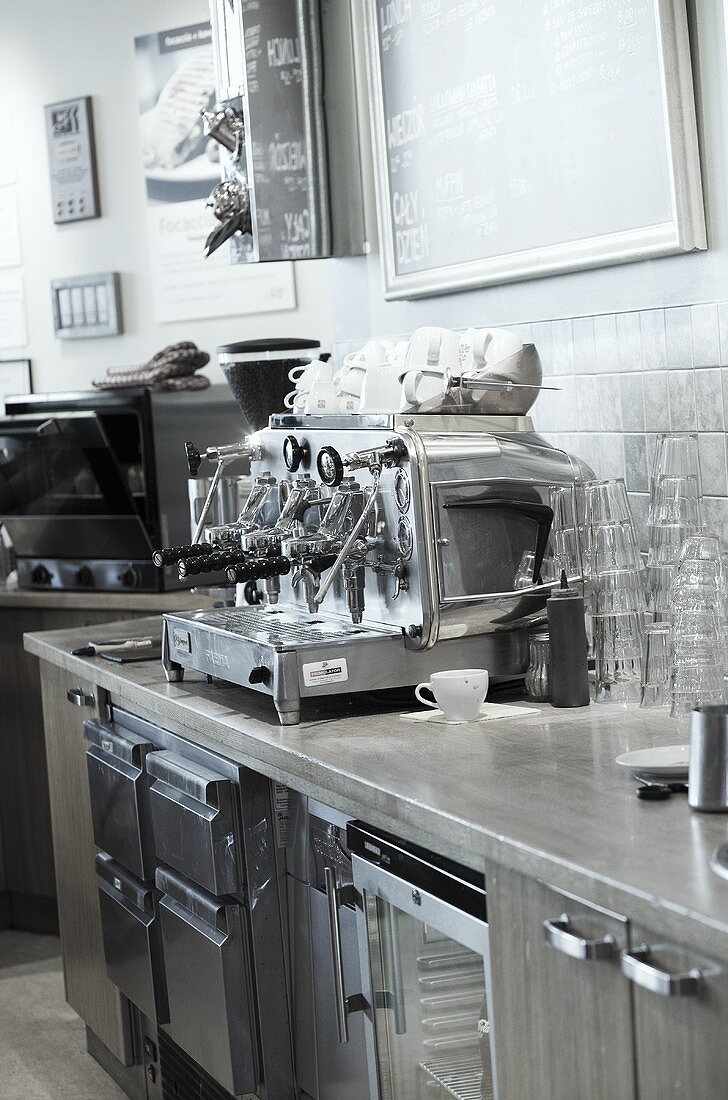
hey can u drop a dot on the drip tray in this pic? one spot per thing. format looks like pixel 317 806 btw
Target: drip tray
pixel 284 628
pixel 460 1078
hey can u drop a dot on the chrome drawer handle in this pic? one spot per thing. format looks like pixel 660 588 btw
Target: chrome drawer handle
pixel 635 965
pixel 80 698
pixel 576 947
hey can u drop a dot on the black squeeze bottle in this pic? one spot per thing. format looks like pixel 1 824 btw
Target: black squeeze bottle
pixel 567 642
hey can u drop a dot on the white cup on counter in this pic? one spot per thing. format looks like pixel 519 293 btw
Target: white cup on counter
pixel 458 693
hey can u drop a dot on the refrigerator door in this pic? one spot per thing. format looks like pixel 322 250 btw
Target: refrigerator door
pixel 425 972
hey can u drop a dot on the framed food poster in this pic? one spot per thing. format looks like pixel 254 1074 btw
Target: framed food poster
pixel 72 159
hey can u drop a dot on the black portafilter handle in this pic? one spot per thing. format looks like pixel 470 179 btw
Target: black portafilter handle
pixel 258 569
pixel 172 554
pixel 211 563
pixel 318 562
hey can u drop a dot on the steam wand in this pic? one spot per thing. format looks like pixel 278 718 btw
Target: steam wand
pixel 351 539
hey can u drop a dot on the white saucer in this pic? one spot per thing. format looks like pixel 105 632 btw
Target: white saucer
pixel 488 712
pixel 664 761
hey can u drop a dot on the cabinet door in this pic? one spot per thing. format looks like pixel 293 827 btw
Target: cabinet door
pixel 562 1016
pixel 681 1019
pixel 88 990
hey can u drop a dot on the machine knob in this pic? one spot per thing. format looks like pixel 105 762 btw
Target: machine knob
pixel 41 575
pixel 251 595
pixel 130 577
pixel 294 453
pixel 330 467
pixel 85 577
pixel 194 458
pixel 259 675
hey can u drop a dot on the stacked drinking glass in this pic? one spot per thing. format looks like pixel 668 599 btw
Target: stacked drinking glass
pixel 699 611
pixel 675 513
pixel 615 591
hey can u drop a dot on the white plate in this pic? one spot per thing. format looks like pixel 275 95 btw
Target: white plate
pixel 667 761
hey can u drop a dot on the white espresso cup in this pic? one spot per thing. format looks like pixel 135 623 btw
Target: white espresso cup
pixel 459 693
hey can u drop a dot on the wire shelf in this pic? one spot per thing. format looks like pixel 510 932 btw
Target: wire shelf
pixel 459 1078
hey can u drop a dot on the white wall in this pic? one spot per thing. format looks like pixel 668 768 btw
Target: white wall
pixel 51 51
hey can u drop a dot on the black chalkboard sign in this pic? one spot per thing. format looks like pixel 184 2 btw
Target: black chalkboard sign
pixel 519 138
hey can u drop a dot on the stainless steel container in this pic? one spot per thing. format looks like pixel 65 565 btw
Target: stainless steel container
pixel 708 778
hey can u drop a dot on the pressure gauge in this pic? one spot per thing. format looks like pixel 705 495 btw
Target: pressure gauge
pixel 402 490
pixel 405 537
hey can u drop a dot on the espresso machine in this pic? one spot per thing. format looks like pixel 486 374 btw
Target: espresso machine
pixel 386 546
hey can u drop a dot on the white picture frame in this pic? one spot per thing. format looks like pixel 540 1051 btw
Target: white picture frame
pixel 15 378
pixel 684 231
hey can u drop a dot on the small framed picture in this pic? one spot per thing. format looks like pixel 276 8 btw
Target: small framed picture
pixel 72 160
pixel 15 378
pixel 87 306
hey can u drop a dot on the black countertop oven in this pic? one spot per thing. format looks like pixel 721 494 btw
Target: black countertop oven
pixel 91 483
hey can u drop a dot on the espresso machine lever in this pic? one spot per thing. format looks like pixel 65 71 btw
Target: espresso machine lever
pixel 222 456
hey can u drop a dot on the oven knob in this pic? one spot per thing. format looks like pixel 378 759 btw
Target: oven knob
pixel 330 467
pixel 294 453
pixel 130 577
pixel 85 577
pixel 259 675
pixel 41 575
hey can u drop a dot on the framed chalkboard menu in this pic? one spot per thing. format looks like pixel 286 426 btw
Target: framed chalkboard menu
pixel 521 138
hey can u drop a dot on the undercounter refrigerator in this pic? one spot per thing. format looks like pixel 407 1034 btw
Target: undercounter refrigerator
pixel 423 942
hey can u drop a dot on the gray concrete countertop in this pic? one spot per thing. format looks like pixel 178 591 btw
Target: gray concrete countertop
pixel 102 601
pixel 541 793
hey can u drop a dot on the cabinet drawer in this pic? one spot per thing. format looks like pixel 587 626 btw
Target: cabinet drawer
pixel 132 938
pixel 208 981
pixel 681 1019
pixel 195 822
pixel 119 790
pixel 561 1007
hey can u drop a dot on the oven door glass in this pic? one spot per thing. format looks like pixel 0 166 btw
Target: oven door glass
pixel 427 983
pixel 63 465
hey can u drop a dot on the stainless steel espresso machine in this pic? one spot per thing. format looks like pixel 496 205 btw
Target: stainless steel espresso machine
pixel 387 547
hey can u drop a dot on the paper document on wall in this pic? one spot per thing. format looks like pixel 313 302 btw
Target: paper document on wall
pixel 176 81
pixel 187 284
pixel 12 310
pixel 9 227
pixel 7 145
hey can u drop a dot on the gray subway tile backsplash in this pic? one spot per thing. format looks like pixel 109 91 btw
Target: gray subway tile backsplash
pixel 704 333
pixel 605 342
pixel 585 351
pixel 633 402
pixel 681 393
pixel 679 336
pixel 629 342
pixel 587 403
pixel 713 463
pixel 657 405
pixel 612 454
pixel 635 463
pixel 709 400
pixel 654 344
pixel 610 403
pixel 624 378
pixel 562 335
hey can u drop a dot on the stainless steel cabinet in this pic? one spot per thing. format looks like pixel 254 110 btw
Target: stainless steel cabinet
pixel 561 1007
pixel 196 829
pixel 681 1019
pixel 209 982
pixel 102 1007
